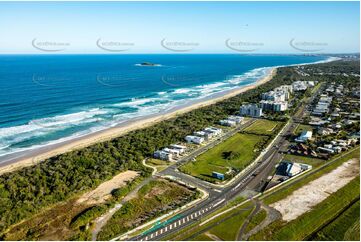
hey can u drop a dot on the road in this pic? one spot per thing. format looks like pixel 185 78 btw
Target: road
pixel 219 196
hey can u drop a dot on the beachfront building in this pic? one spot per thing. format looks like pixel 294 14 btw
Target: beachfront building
pixel 252 110
pixel 277 96
pixel 236 119
pixel 174 152
pixel 299 86
pixel 226 122
pixel 162 155
pixel 213 130
pixel 205 135
pixel 305 135
pixel 194 139
pixel 180 148
pixel 231 121
pixel 276 106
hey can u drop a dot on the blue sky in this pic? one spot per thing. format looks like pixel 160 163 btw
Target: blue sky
pixel 184 27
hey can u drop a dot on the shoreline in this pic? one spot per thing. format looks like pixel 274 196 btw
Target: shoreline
pixel 31 157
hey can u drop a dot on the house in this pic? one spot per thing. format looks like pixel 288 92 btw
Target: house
pixel 324 131
pixel 252 110
pixel 305 135
pixel 162 155
pixel 181 148
pixel 194 139
pixel 337 149
pixel 325 150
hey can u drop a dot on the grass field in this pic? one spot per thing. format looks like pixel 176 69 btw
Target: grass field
pixel 256 220
pixel 302 127
pixel 314 162
pixel 344 226
pixel 214 159
pixel 228 230
pixel 310 222
pixel 263 127
pixel 202 237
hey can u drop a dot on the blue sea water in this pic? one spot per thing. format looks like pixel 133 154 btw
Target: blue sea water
pixel 46 99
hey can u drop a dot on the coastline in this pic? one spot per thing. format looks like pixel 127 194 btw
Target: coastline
pixel 32 157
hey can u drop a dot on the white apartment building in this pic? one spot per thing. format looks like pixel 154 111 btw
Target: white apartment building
pixel 252 110
pixel 279 106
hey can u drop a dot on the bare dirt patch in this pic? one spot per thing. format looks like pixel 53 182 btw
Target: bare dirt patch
pixel 308 196
pixel 103 191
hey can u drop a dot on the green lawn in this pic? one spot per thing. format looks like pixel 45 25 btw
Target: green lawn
pixel 302 127
pixel 345 224
pixel 263 127
pixel 314 162
pixel 201 237
pixel 256 220
pixel 228 230
pixel 214 159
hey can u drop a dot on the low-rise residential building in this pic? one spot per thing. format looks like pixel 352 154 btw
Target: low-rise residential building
pixel 299 86
pixel 226 122
pixel 181 148
pixel 324 131
pixel 325 150
pixel 205 135
pixel 231 121
pixel 162 155
pixel 252 110
pixel 174 152
pixel 213 130
pixel 194 139
pixel 237 119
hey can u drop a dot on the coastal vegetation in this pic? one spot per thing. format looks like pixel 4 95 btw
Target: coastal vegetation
pixel 31 190
pixel 152 200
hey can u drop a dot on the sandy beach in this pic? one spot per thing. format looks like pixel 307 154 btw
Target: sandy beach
pixel 28 158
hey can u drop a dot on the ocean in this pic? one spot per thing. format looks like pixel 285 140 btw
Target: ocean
pixel 46 99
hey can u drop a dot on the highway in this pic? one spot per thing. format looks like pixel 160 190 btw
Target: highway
pixel 219 196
